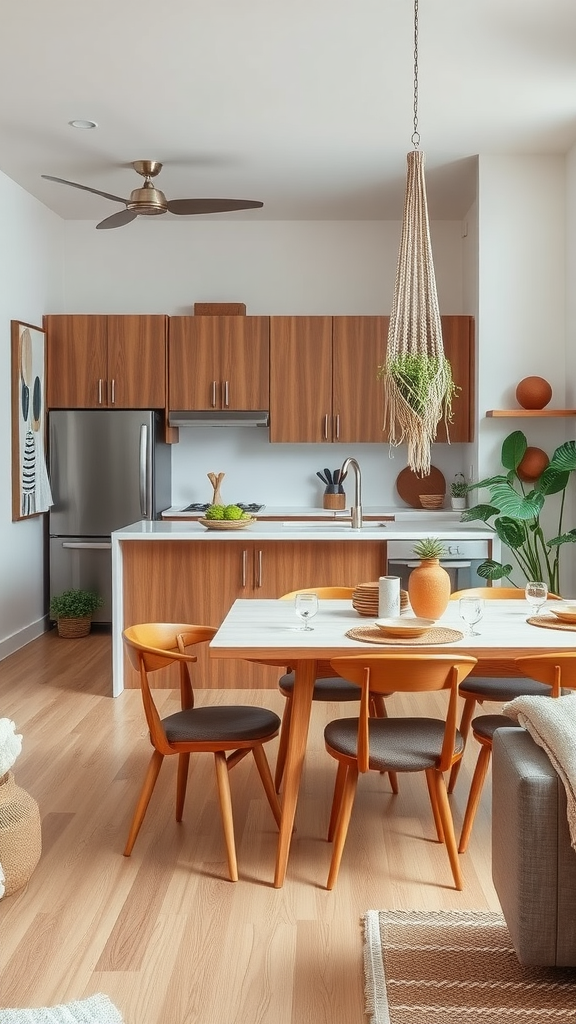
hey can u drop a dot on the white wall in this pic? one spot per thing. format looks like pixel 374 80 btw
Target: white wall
pixel 31 276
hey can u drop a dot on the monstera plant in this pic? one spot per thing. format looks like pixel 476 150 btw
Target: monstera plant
pixel 515 509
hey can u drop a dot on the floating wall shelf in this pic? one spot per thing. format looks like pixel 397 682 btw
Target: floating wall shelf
pixel 531 412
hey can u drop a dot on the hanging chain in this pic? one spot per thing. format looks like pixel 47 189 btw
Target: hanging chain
pixel 415 134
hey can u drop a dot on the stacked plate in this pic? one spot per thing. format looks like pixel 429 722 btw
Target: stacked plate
pixel 365 599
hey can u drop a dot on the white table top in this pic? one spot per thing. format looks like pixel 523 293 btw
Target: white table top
pixel 261 629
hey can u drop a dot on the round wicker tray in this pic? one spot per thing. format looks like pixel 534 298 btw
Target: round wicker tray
pixel 551 622
pixel 435 635
pixel 227 524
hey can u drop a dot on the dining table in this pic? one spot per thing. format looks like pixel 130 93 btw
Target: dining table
pixel 269 632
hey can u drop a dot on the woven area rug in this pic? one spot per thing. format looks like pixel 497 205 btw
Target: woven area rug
pixel 96 1009
pixel 455 966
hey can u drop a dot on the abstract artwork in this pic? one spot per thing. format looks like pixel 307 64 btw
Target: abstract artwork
pixel 31 493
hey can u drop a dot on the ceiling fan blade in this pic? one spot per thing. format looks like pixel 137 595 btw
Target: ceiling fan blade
pixel 184 207
pixel 85 188
pixel 117 220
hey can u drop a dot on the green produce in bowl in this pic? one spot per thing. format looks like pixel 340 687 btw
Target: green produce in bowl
pixel 233 512
pixel 215 512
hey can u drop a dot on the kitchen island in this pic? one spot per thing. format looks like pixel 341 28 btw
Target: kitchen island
pixel 181 572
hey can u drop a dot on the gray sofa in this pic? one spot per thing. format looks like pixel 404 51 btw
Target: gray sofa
pixel 533 863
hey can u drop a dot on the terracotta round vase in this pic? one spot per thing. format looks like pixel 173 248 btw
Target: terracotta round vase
pixel 429 589
pixel 20 834
pixel 533 464
pixel 533 393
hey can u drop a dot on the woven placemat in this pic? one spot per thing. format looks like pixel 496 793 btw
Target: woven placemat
pixel 436 635
pixel 551 622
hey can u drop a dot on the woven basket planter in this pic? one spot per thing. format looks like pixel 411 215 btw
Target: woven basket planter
pixel 20 834
pixel 71 628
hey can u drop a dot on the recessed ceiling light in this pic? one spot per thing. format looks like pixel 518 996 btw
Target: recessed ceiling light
pixel 83 124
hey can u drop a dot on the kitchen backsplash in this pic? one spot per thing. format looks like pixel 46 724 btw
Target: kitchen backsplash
pixel 285 474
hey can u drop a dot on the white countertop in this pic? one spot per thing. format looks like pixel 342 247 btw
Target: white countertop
pixel 307 512
pixel 285 530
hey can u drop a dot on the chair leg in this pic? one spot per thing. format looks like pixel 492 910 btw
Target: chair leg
pixel 182 781
pixel 437 779
pixel 474 795
pixel 144 799
pixel 347 803
pixel 226 811
pixel 434 804
pixel 464 729
pixel 267 781
pixel 337 798
pixel 283 744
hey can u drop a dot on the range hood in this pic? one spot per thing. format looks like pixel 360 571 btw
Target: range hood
pixel 217 418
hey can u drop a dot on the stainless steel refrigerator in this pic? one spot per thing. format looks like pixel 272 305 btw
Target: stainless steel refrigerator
pixel 108 468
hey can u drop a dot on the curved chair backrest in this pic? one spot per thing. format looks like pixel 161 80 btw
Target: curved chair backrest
pixel 155 645
pixel 416 673
pixel 495 593
pixel 556 668
pixel 325 593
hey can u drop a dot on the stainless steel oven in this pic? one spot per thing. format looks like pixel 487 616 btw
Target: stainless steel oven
pixel 461 561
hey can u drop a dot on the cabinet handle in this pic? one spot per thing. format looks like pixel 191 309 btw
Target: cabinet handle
pixel 99 391
pixel 326 427
pixel 113 391
pixel 244 557
pixel 338 427
pixel 226 394
pixel 259 569
pixel 213 394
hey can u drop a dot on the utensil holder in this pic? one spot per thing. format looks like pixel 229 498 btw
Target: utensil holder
pixel 334 497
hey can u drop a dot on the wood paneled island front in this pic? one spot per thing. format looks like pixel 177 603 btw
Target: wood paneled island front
pixel 182 572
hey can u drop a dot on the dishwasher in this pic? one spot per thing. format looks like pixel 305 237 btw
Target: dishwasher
pixel 461 561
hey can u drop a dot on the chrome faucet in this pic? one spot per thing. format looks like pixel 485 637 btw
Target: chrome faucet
pixel 356 510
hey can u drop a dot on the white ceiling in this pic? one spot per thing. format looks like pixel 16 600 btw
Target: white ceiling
pixel 303 104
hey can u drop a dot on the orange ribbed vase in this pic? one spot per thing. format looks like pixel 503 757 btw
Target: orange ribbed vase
pixel 429 589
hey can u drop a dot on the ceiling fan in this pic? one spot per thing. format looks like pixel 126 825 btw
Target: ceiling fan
pixel 149 200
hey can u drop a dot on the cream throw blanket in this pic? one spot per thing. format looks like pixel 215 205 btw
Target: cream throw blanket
pixel 94 1010
pixel 552 724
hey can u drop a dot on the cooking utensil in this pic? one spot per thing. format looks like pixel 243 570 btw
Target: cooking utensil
pixel 336 477
pixel 323 478
pixel 328 476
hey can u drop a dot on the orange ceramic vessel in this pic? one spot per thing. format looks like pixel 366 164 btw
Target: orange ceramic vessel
pixel 429 589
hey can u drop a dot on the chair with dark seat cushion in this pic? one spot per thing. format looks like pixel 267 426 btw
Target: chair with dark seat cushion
pixel 327 688
pixel 477 689
pixel 406 744
pixel 218 729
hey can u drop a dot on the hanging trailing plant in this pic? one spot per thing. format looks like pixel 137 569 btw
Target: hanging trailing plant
pixel 417 376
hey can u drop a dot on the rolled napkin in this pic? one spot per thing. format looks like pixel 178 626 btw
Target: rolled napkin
pixel 388 597
pixel 551 722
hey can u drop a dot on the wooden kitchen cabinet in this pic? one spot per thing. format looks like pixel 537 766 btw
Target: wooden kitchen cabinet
pixel 218 362
pixel 106 362
pixel 323 378
pixel 458 339
pixel 198 581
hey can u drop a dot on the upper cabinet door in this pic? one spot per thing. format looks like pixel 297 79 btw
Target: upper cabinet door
pixel 458 339
pixel 136 362
pixel 218 362
pixel 300 378
pixel 77 362
pixel 358 349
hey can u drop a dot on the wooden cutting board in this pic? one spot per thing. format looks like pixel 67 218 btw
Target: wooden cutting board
pixel 410 486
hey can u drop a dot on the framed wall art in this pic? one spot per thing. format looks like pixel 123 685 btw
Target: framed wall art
pixel 31 493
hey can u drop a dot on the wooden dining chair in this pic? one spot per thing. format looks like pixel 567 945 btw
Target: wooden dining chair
pixel 477 689
pixel 228 731
pixel 407 744
pixel 556 674
pixel 327 686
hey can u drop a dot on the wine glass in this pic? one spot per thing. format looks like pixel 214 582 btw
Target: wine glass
pixel 471 611
pixel 306 605
pixel 536 593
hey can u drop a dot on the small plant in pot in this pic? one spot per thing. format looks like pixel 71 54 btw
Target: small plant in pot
pixel 73 610
pixel 458 492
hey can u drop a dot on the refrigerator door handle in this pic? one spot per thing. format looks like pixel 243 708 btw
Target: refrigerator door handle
pixel 143 475
pixel 88 545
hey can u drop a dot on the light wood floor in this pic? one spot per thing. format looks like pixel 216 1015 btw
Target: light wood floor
pixel 164 933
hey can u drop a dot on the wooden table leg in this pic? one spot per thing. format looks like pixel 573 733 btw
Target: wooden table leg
pixel 301 708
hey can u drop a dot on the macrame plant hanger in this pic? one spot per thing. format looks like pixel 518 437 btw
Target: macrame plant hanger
pixel 417 378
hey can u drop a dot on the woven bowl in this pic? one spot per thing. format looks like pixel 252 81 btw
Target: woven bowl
pixel 431 500
pixel 227 524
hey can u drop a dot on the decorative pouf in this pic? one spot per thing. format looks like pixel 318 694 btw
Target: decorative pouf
pixel 20 834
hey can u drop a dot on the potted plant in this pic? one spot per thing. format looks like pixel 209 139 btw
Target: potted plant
pixel 458 492
pixel 429 583
pixel 73 610
pixel 515 509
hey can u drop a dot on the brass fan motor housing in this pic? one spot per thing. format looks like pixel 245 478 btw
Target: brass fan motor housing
pixel 147 200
